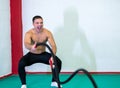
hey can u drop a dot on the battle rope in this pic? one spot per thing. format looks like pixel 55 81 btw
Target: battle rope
pixel 72 75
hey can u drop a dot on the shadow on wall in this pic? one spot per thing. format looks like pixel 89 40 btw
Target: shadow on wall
pixel 72 45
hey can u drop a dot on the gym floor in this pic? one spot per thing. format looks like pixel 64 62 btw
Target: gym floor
pixel 79 81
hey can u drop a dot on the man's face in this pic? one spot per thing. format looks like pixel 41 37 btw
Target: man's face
pixel 38 24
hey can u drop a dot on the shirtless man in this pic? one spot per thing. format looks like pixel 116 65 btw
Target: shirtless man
pixel 38 34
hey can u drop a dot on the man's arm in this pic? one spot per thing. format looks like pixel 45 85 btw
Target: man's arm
pixel 52 42
pixel 27 41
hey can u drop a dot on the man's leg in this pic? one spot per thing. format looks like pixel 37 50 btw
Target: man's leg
pixel 59 63
pixel 21 71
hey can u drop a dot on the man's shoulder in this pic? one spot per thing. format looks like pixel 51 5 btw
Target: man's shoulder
pixel 29 31
pixel 46 30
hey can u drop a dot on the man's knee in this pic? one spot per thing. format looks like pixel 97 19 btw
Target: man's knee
pixel 59 62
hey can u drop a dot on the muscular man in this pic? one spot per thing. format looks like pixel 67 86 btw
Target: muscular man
pixel 38 34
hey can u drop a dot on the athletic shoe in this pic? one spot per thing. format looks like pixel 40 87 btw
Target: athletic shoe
pixel 54 84
pixel 23 86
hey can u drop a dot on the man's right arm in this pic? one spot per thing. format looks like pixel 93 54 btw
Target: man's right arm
pixel 27 41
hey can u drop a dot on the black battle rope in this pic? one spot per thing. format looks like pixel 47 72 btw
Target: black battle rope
pixel 56 67
pixel 72 75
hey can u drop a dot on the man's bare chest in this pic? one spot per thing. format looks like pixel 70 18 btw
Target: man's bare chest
pixel 39 38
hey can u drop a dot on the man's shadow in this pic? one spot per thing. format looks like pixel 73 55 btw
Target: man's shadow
pixel 72 45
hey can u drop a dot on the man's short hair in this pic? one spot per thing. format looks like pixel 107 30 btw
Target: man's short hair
pixel 36 17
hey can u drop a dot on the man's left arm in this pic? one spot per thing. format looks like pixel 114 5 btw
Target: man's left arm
pixel 52 42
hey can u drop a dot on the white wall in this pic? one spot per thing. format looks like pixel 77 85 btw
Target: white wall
pixel 87 32
pixel 5 38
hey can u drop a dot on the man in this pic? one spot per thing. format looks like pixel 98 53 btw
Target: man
pixel 38 34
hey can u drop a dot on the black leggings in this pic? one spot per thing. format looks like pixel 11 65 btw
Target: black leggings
pixel 31 58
